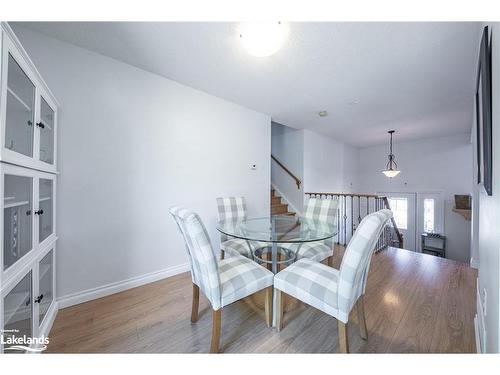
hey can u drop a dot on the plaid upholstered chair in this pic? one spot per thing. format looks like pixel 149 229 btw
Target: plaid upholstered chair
pixel 335 291
pixel 317 210
pixel 233 208
pixel 222 282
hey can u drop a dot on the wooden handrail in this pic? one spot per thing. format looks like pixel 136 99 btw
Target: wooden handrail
pixel 398 233
pixel 297 180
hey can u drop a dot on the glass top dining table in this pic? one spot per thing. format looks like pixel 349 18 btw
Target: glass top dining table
pixel 275 235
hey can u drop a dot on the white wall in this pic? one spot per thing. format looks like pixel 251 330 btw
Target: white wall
pixel 132 144
pixel 322 163
pixel 329 165
pixel 287 145
pixel 437 164
pixel 489 215
pixel 351 170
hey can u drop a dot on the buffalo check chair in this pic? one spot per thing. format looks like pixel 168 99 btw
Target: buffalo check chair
pixel 233 208
pixel 317 210
pixel 335 291
pixel 222 282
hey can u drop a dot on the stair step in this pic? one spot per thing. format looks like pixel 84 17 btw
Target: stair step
pixel 275 200
pixel 279 209
pixel 279 205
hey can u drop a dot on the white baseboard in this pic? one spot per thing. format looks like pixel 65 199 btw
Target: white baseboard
pixel 474 263
pixel 286 200
pixel 119 286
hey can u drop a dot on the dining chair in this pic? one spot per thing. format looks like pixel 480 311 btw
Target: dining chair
pixel 222 282
pixel 233 208
pixel 335 291
pixel 323 210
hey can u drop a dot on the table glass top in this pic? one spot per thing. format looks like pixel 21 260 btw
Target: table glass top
pixel 280 228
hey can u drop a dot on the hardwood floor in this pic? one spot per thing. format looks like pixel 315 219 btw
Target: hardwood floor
pixel 414 303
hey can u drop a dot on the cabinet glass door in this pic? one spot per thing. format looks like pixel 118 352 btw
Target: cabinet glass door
pixel 17 218
pixel 46 126
pixel 45 285
pixel 20 110
pixel 17 305
pixel 45 211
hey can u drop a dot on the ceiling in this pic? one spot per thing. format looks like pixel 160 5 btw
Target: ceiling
pixel 417 78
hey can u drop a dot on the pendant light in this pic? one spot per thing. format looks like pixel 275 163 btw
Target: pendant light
pixel 391 169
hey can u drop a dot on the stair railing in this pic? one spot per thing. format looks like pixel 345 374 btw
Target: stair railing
pixel 297 180
pixel 352 208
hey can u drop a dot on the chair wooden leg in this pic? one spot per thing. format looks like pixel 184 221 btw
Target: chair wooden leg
pixel 279 309
pixel 269 306
pixel 216 326
pixel 360 305
pixel 222 254
pixel 343 343
pixel 196 303
pixel 330 261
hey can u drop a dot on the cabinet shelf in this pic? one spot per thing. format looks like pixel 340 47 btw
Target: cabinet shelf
pixel 19 100
pixel 433 248
pixel 44 268
pixel 45 199
pixel 16 204
pixel 18 300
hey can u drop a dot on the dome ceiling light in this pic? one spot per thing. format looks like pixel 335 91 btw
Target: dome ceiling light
pixel 263 39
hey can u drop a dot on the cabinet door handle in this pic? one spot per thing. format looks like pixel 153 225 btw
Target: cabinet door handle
pixel 39 298
pixel 40 124
pixel 28 213
pixel 39 212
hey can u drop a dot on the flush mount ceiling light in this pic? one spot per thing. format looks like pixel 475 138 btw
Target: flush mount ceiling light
pixel 323 113
pixel 391 169
pixel 263 39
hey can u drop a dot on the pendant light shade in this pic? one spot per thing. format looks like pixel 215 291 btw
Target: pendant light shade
pixel 391 173
pixel 391 169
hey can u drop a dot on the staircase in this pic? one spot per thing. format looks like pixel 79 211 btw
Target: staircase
pixel 277 206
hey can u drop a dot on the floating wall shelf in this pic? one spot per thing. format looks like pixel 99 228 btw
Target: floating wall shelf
pixel 465 213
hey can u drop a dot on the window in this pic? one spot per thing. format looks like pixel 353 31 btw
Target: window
pixel 399 207
pixel 429 215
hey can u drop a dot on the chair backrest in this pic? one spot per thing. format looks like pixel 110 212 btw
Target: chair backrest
pixel 204 269
pixel 321 210
pixel 352 276
pixel 231 208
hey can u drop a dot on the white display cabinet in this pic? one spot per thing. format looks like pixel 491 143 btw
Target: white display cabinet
pixel 27 304
pixel 28 168
pixel 28 110
pixel 28 216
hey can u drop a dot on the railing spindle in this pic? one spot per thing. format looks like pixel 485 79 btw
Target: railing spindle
pixel 390 235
